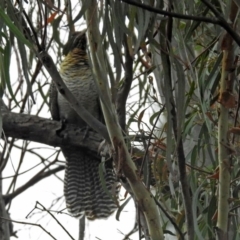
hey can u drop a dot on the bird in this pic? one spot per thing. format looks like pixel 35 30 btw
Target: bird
pixel 83 187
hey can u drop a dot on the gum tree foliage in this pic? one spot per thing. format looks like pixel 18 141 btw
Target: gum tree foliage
pixel 167 73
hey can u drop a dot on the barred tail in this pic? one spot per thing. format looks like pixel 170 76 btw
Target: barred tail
pixel 83 188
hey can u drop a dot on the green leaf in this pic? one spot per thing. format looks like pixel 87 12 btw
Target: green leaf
pixel 119 15
pixel 5 60
pixel 189 124
pixel 85 6
pixel 14 29
pixel 122 207
pixel 0 119
pixel 24 62
pixel 141 114
pixel 115 48
pixel 152 118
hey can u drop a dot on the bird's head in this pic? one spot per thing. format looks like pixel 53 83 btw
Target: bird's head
pixel 77 40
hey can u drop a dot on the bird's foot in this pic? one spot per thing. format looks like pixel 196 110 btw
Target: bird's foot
pixel 59 131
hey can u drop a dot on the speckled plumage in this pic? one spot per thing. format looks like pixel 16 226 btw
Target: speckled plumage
pixel 78 77
pixel 83 188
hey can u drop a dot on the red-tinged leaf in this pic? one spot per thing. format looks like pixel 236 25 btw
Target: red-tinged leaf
pixel 215 216
pixel 52 17
pixel 214 175
pixel 235 130
pixel 140 117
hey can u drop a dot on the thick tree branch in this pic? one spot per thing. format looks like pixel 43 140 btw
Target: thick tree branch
pixel 121 155
pixel 49 132
pixel 228 77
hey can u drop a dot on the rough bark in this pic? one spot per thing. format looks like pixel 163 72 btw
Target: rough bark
pixel 49 132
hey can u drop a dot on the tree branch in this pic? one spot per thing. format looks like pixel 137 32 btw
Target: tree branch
pixel 219 20
pixel 28 223
pixel 4 225
pixel 121 155
pixel 38 177
pixel 171 14
pixel 49 132
pixel 123 93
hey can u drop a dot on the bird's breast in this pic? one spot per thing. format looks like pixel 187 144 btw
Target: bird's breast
pixel 80 82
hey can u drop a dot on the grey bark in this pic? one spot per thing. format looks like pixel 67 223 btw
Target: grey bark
pixel 4 225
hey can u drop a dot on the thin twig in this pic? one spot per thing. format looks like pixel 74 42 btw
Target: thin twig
pixel 170 218
pixel 34 77
pixel 171 14
pixel 135 228
pixel 124 92
pixel 28 223
pixel 82 224
pixel 38 177
pixel 219 20
pixel 44 37
pixel 150 137
pixel 198 169
pixel 54 219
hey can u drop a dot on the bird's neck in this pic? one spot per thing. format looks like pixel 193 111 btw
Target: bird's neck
pixel 75 59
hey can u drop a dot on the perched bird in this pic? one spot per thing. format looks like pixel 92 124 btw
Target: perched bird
pixel 83 188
